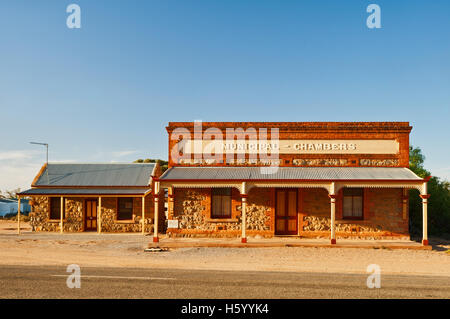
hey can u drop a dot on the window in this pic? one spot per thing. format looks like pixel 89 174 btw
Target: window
pixel 125 208
pixel 221 203
pixel 55 208
pixel 352 204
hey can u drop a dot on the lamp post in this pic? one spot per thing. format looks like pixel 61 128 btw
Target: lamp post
pixel 46 145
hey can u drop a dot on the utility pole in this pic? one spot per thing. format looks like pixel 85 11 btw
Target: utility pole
pixel 46 145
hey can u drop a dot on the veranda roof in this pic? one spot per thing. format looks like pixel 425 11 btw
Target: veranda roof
pixel 85 191
pixel 289 174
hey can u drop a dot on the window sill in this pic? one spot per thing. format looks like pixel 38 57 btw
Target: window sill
pixel 222 220
pixel 128 221
pixel 56 220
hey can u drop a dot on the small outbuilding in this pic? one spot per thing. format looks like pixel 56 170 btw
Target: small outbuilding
pixel 108 197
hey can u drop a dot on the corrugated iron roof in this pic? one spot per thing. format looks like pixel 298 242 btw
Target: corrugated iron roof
pixel 85 191
pixel 111 174
pixel 289 173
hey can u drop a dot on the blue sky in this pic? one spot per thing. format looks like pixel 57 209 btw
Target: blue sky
pixel 105 92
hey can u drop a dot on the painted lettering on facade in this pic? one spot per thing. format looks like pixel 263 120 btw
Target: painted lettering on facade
pixel 293 146
pixel 325 146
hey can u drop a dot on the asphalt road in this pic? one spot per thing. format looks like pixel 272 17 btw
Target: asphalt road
pixel 50 282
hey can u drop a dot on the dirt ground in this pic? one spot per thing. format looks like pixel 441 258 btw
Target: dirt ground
pixel 127 250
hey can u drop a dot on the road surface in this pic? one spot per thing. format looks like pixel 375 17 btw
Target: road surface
pixel 96 282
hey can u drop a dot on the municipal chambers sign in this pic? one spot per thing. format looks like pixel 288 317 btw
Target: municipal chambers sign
pixel 294 146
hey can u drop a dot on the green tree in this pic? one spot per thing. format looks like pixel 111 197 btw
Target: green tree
pixel 438 204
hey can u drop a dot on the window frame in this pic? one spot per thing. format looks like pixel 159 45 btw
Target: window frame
pixel 118 209
pixel 353 196
pixel 51 207
pixel 228 216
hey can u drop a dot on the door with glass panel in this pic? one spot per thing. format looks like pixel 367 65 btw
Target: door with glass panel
pixel 286 218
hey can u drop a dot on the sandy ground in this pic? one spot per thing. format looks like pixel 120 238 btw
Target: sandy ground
pixel 127 250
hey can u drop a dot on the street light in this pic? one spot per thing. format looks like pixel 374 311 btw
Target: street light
pixel 46 145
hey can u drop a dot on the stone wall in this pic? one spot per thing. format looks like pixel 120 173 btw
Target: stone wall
pixel 260 210
pixel 383 215
pixel 74 215
pixel 192 209
pixel 40 212
pixel 74 218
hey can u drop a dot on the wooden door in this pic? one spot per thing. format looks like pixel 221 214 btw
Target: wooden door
pixel 91 215
pixel 286 220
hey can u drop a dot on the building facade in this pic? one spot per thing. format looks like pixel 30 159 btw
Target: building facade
pixel 242 179
pixel 321 179
pixel 96 197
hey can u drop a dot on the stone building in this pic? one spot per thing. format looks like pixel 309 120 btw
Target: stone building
pixel 96 197
pixel 321 179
